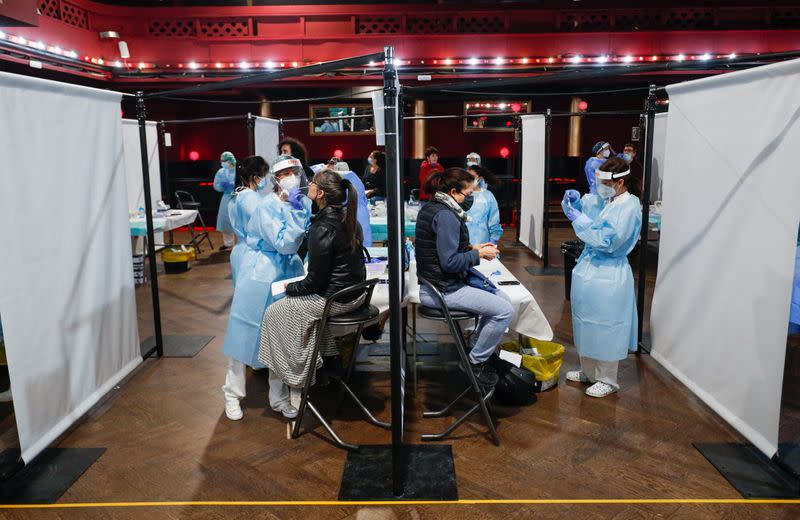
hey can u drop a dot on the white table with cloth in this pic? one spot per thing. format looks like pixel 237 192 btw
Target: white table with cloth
pixel 529 320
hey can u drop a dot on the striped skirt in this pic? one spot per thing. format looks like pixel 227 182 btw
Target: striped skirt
pixel 289 330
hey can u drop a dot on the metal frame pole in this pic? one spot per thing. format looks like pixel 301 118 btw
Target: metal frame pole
pixel 648 169
pixel 548 126
pixel 395 224
pixel 141 116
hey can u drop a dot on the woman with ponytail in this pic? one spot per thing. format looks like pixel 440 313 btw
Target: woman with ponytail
pixel 335 262
pixel 254 185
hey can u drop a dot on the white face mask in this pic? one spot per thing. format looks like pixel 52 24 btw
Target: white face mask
pixel 289 182
pixel 605 153
pixel 476 183
pixel 605 192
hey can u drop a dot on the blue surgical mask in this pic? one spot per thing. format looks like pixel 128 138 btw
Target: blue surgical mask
pixel 261 184
pixel 605 192
pixel 627 157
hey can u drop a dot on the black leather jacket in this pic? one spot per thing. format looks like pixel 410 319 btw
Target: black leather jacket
pixel 332 264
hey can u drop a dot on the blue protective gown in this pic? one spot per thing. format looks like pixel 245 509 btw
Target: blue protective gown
pixel 222 177
pixel 363 206
pixel 592 164
pixel 484 219
pixel 794 310
pixel 273 236
pixel 604 319
pixel 240 210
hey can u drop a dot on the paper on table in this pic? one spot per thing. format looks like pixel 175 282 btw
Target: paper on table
pixel 278 288
pixel 512 357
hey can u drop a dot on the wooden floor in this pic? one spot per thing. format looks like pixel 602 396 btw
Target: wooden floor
pixel 168 439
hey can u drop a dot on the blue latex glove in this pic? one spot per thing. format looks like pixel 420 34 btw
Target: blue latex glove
pixel 295 199
pixel 571 196
pixel 573 214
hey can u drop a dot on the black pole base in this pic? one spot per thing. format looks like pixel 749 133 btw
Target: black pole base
pixel 429 469
pixel 750 471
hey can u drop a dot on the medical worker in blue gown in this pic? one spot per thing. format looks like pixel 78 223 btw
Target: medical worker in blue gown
pixel 604 319
pixel 225 183
pixel 273 234
pixel 343 169
pixel 601 151
pixel 255 184
pixel 484 214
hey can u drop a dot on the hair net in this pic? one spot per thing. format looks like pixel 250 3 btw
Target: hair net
pixel 227 156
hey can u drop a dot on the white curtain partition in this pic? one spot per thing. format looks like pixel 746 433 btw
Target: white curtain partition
pixel 659 154
pixel 531 220
pixel 132 157
pixel 133 163
pixel 721 306
pixel 67 298
pixel 267 138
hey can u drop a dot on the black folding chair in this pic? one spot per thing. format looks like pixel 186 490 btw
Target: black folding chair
pixel 185 200
pixel 452 317
pixel 359 317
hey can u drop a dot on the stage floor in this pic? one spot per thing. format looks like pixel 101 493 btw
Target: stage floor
pixel 167 438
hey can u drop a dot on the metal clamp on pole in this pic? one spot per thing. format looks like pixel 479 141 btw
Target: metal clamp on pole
pixel 141 116
pixel 648 169
pixel 163 159
pixel 251 134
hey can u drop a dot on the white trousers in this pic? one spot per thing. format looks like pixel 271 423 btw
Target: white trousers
pixel 278 391
pixel 603 371
pixel 228 239
pixel 234 387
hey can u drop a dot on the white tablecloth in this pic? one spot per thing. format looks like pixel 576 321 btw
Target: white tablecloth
pixel 176 218
pixel 529 320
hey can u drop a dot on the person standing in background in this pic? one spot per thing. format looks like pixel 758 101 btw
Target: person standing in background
pixel 225 183
pixel 428 166
pixel 601 151
pixel 291 147
pixel 484 214
pixel 375 180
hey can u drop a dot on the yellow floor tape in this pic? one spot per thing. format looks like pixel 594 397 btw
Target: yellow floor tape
pixel 335 503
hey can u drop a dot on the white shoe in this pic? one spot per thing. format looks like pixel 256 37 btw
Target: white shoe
pixel 233 409
pixel 5 397
pixel 600 389
pixel 286 409
pixel 577 376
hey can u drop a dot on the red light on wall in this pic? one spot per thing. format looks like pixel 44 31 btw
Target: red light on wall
pixel 194 155
pixel 508 123
pixel 338 154
pixel 504 152
pixel 516 107
pixel 583 105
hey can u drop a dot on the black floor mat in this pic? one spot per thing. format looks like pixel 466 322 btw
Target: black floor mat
pixel 48 476
pixel 750 471
pixel 178 346
pixel 430 473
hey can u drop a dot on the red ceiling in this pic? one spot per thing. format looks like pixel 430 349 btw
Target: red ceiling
pixel 171 38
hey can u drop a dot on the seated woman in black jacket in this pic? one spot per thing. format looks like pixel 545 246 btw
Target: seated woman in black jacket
pixel 335 262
